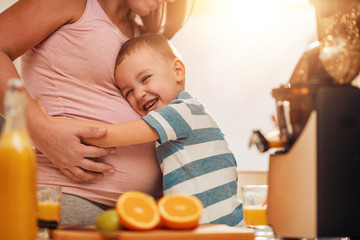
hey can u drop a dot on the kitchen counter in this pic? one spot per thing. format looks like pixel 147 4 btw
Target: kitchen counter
pixel 203 232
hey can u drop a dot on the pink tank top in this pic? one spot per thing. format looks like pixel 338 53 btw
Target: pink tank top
pixel 71 72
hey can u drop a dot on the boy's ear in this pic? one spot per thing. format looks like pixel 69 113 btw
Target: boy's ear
pixel 179 68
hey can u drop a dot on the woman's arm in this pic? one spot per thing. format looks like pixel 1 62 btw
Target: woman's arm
pixel 22 26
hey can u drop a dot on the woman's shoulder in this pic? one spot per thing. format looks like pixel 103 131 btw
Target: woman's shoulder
pixel 71 10
pixel 75 7
pixel 35 20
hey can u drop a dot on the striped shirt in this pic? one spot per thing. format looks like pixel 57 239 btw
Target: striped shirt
pixel 195 159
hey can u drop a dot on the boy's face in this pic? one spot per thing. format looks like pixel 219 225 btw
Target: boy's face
pixel 148 81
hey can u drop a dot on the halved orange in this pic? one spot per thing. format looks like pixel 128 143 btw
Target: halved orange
pixel 180 211
pixel 137 211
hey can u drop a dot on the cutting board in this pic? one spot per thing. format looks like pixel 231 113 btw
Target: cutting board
pixel 203 232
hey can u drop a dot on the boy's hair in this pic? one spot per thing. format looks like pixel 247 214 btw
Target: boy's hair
pixel 155 41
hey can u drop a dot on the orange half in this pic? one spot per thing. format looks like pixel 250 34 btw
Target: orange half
pixel 137 211
pixel 180 211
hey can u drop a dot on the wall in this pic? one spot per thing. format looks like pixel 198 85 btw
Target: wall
pixel 6 3
pixel 235 52
pixel 251 178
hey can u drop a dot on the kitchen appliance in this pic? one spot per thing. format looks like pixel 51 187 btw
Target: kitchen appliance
pixel 314 171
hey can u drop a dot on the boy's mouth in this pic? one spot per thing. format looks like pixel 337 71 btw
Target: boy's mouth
pixel 147 106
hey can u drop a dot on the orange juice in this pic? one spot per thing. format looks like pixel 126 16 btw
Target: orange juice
pixel 49 211
pixel 17 187
pixel 255 216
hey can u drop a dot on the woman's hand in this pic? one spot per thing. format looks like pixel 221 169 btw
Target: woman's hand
pixel 71 156
pixel 61 143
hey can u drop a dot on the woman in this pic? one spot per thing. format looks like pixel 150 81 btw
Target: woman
pixel 68 50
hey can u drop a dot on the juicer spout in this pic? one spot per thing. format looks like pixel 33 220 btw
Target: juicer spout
pixel 269 140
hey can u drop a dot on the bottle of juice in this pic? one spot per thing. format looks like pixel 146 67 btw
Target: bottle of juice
pixel 18 204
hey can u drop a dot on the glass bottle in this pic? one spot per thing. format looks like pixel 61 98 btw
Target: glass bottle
pixel 18 208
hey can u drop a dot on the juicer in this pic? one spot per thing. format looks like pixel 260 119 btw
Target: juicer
pixel 315 168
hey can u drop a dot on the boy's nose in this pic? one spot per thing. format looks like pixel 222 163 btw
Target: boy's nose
pixel 140 94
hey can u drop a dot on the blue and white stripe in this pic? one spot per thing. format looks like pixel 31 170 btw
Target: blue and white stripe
pixel 195 159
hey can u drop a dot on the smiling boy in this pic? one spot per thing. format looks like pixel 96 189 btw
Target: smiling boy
pixel 193 155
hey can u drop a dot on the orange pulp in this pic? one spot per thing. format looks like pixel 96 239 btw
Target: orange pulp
pixel 180 211
pixel 137 211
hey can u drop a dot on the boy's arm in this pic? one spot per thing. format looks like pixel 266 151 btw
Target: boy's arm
pixel 121 134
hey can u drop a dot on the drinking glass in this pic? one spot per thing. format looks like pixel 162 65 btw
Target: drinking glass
pixel 255 206
pixel 49 208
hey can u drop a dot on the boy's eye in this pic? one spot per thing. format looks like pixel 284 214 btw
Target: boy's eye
pixel 127 93
pixel 143 79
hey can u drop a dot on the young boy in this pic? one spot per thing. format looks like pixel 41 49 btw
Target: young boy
pixel 192 152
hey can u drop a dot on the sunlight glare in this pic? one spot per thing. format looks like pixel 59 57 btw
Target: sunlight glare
pixel 225 7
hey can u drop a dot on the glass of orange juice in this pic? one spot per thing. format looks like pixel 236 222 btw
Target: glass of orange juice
pixel 49 208
pixel 255 204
